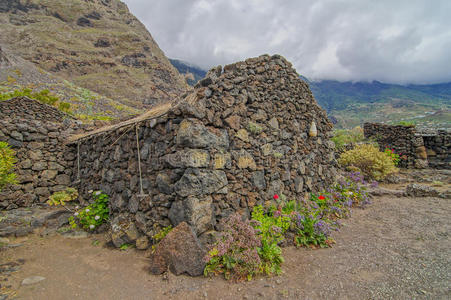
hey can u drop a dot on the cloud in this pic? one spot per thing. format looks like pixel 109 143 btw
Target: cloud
pixel 385 40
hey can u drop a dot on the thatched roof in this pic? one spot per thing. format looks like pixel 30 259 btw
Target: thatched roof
pixel 157 111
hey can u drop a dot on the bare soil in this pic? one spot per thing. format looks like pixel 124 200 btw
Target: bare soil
pixel 397 248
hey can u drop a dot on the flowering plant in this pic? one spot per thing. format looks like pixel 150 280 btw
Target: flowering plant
pixel 351 190
pixel 247 248
pixel 394 156
pixel 92 216
pixel 270 228
pixel 312 227
pixel 235 254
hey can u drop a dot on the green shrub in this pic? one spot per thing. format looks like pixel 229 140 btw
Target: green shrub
pixel 368 160
pixel 94 215
pixel 7 163
pixel 343 137
pixel 61 197
pixel 270 228
pixel 407 123
pixel 65 107
pixel 311 228
pixel 43 96
pixel 393 156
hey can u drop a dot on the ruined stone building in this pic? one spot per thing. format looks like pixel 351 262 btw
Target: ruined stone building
pixel 418 149
pixel 248 131
pixel 37 132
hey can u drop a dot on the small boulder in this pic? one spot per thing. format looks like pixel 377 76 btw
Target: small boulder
pixel 142 243
pixel 420 190
pixel 181 251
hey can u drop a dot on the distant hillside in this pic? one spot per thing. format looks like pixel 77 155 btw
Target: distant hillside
pixel 334 95
pixel 350 104
pixel 97 45
pixel 192 73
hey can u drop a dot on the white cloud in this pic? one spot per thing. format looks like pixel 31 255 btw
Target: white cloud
pixel 385 40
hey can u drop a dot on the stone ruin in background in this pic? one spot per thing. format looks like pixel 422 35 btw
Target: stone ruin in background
pixel 248 131
pixel 418 149
pixel 37 132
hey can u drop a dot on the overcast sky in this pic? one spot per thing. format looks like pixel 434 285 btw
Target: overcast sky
pixel 361 40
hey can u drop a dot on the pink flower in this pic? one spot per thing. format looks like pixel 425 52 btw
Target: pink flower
pixel 276 197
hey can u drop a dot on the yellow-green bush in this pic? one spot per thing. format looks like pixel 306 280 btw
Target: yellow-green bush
pixel 368 160
pixel 7 162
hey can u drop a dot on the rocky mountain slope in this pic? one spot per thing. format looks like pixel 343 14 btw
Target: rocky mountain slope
pixel 17 74
pixel 97 45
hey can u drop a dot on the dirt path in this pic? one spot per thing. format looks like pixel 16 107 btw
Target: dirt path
pixel 396 248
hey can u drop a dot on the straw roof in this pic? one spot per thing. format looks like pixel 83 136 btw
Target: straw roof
pixel 157 111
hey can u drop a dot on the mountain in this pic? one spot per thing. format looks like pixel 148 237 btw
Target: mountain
pixel 352 103
pixel 191 72
pixel 97 45
pixel 335 95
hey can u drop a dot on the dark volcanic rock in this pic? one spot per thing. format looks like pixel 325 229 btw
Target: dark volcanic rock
pixel 134 60
pixel 200 182
pixel 102 43
pixel 181 251
pixel 84 22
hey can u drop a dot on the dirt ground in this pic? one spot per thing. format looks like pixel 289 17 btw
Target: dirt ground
pixel 397 248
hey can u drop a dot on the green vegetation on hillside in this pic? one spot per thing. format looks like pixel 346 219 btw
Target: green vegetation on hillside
pixel 351 104
pixel 343 137
pixel 44 96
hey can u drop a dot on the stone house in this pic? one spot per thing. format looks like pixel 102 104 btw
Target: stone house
pixel 248 131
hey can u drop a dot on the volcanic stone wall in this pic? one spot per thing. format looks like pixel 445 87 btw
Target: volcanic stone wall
pixel 247 132
pixel 404 140
pixel 438 148
pixel 37 133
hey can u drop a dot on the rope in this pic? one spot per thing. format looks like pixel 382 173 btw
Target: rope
pixel 78 161
pixel 120 136
pixel 139 162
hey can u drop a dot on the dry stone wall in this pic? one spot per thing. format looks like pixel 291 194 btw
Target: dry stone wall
pixel 247 132
pixel 37 132
pixel 438 148
pixel 403 139
pixel 417 149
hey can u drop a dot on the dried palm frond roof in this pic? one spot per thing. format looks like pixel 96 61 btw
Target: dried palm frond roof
pixel 157 111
